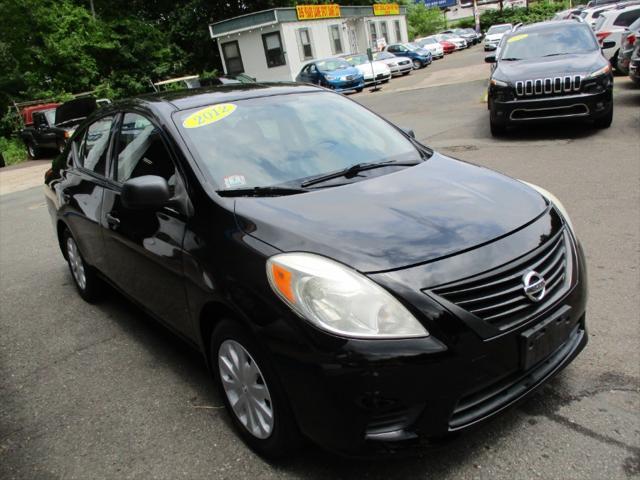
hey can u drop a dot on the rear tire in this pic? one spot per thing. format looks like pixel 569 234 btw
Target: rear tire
pixel 605 121
pixel 260 412
pixel 84 277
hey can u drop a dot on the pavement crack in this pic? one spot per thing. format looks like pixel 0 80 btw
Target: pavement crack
pixel 581 429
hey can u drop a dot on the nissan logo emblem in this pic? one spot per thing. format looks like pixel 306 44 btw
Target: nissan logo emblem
pixel 534 286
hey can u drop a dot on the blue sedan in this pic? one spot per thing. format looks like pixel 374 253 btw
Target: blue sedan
pixel 333 73
pixel 419 56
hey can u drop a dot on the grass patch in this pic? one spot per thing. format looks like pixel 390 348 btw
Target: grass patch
pixel 12 150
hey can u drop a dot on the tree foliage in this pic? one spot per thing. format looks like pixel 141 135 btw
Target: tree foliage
pixel 423 21
pixel 537 12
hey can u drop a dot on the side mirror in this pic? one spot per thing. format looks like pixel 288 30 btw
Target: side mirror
pixel 147 192
pixel 608 44
pixel 490 58
pixel 409 132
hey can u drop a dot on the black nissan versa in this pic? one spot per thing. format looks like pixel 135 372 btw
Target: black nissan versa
pixel 344 282
pixel 549 71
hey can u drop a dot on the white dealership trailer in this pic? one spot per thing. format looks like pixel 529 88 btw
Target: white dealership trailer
pixel 274 44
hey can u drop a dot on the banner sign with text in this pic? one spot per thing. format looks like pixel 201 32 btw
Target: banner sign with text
pixel 438 3
pixel 312 12
pixel 386 9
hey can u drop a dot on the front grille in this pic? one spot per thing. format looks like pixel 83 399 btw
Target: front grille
pixel 348 78
pixel 405 62
pixel 392 419
pixel 498 297
pixel 548 86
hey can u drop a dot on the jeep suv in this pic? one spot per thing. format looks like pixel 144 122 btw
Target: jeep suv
pixel 547 72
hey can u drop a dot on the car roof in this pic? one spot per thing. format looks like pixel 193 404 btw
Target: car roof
pixel 614 11
pixel 196 97
pixel 548 25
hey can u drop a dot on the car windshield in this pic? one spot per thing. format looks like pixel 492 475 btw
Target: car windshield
pixel 284 139
pixel 414 47
pixel 331 65
pixel 50 115
pixel 498 29
pixel 426 41
pixel 357 59
pixel 383 56
pixel 565 39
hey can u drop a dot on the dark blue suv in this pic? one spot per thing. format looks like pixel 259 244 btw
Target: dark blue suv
pixel 333 73
pixel 420 57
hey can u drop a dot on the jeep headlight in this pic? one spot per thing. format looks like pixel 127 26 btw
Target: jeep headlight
pixel 337 299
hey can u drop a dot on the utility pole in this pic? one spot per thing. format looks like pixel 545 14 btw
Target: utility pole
pixel 476 16
pixel 93 9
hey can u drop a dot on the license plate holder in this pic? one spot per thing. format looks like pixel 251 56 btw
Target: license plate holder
pixel 541 340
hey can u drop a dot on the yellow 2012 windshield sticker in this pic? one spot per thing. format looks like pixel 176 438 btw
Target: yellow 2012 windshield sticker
pixel 517 38
pixel 209 115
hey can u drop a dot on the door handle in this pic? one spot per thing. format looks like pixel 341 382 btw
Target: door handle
pixel 111 220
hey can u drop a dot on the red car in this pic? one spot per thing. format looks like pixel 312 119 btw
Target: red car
pixel 448 47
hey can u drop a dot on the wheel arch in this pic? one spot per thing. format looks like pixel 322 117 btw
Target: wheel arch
pixel 60 229
pixel 211 314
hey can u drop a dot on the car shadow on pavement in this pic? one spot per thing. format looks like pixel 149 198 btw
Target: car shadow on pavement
pixel 168 348
pixel 558 131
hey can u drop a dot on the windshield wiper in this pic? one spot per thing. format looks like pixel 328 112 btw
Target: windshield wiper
pixel 510 59
pixel 260 191
pixel 556 54
pixel 353 170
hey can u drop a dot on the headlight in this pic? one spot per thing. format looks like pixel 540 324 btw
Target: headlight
pixel 338 299
pixel 554 200
pixel 498 83
pixel 603 71
pixel 69 133
pixel 331 78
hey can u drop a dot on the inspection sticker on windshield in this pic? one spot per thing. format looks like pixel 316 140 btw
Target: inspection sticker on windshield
pixel 233 181
pixel 517 38
pixel 209 115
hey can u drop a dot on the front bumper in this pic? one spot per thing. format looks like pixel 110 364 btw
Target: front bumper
pixel 356 397
pixel 525 110
pixel 400 69
pixel 493 45
pixel 381 77
pixel 346 86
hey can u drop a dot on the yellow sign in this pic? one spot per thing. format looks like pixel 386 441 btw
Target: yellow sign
pixel 517 38
pixel 311 12
pixel 209 115
pixel 386 9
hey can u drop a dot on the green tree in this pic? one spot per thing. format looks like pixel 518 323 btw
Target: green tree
pixel 423 21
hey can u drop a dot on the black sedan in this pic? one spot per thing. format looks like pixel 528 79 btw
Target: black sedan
pixel 344 282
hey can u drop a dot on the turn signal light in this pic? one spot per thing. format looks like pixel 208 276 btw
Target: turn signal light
pixel 601 36
pixel 282 281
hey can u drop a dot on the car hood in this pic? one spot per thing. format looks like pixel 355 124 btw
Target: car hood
pixel 582 64
pixel 342 72
pixel 75 110
pixel 410 216
pixel 378 67
pixel 494 36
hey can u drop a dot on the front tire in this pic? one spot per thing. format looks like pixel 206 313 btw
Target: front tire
pixel 417 65
pixel 84 277
pixel 497 129
pixel 32 151
pixel 251 392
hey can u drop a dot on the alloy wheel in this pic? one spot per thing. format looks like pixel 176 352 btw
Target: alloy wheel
pixel 246 389
pixel 76 263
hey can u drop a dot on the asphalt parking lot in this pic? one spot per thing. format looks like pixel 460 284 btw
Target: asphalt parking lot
pixel 101 391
